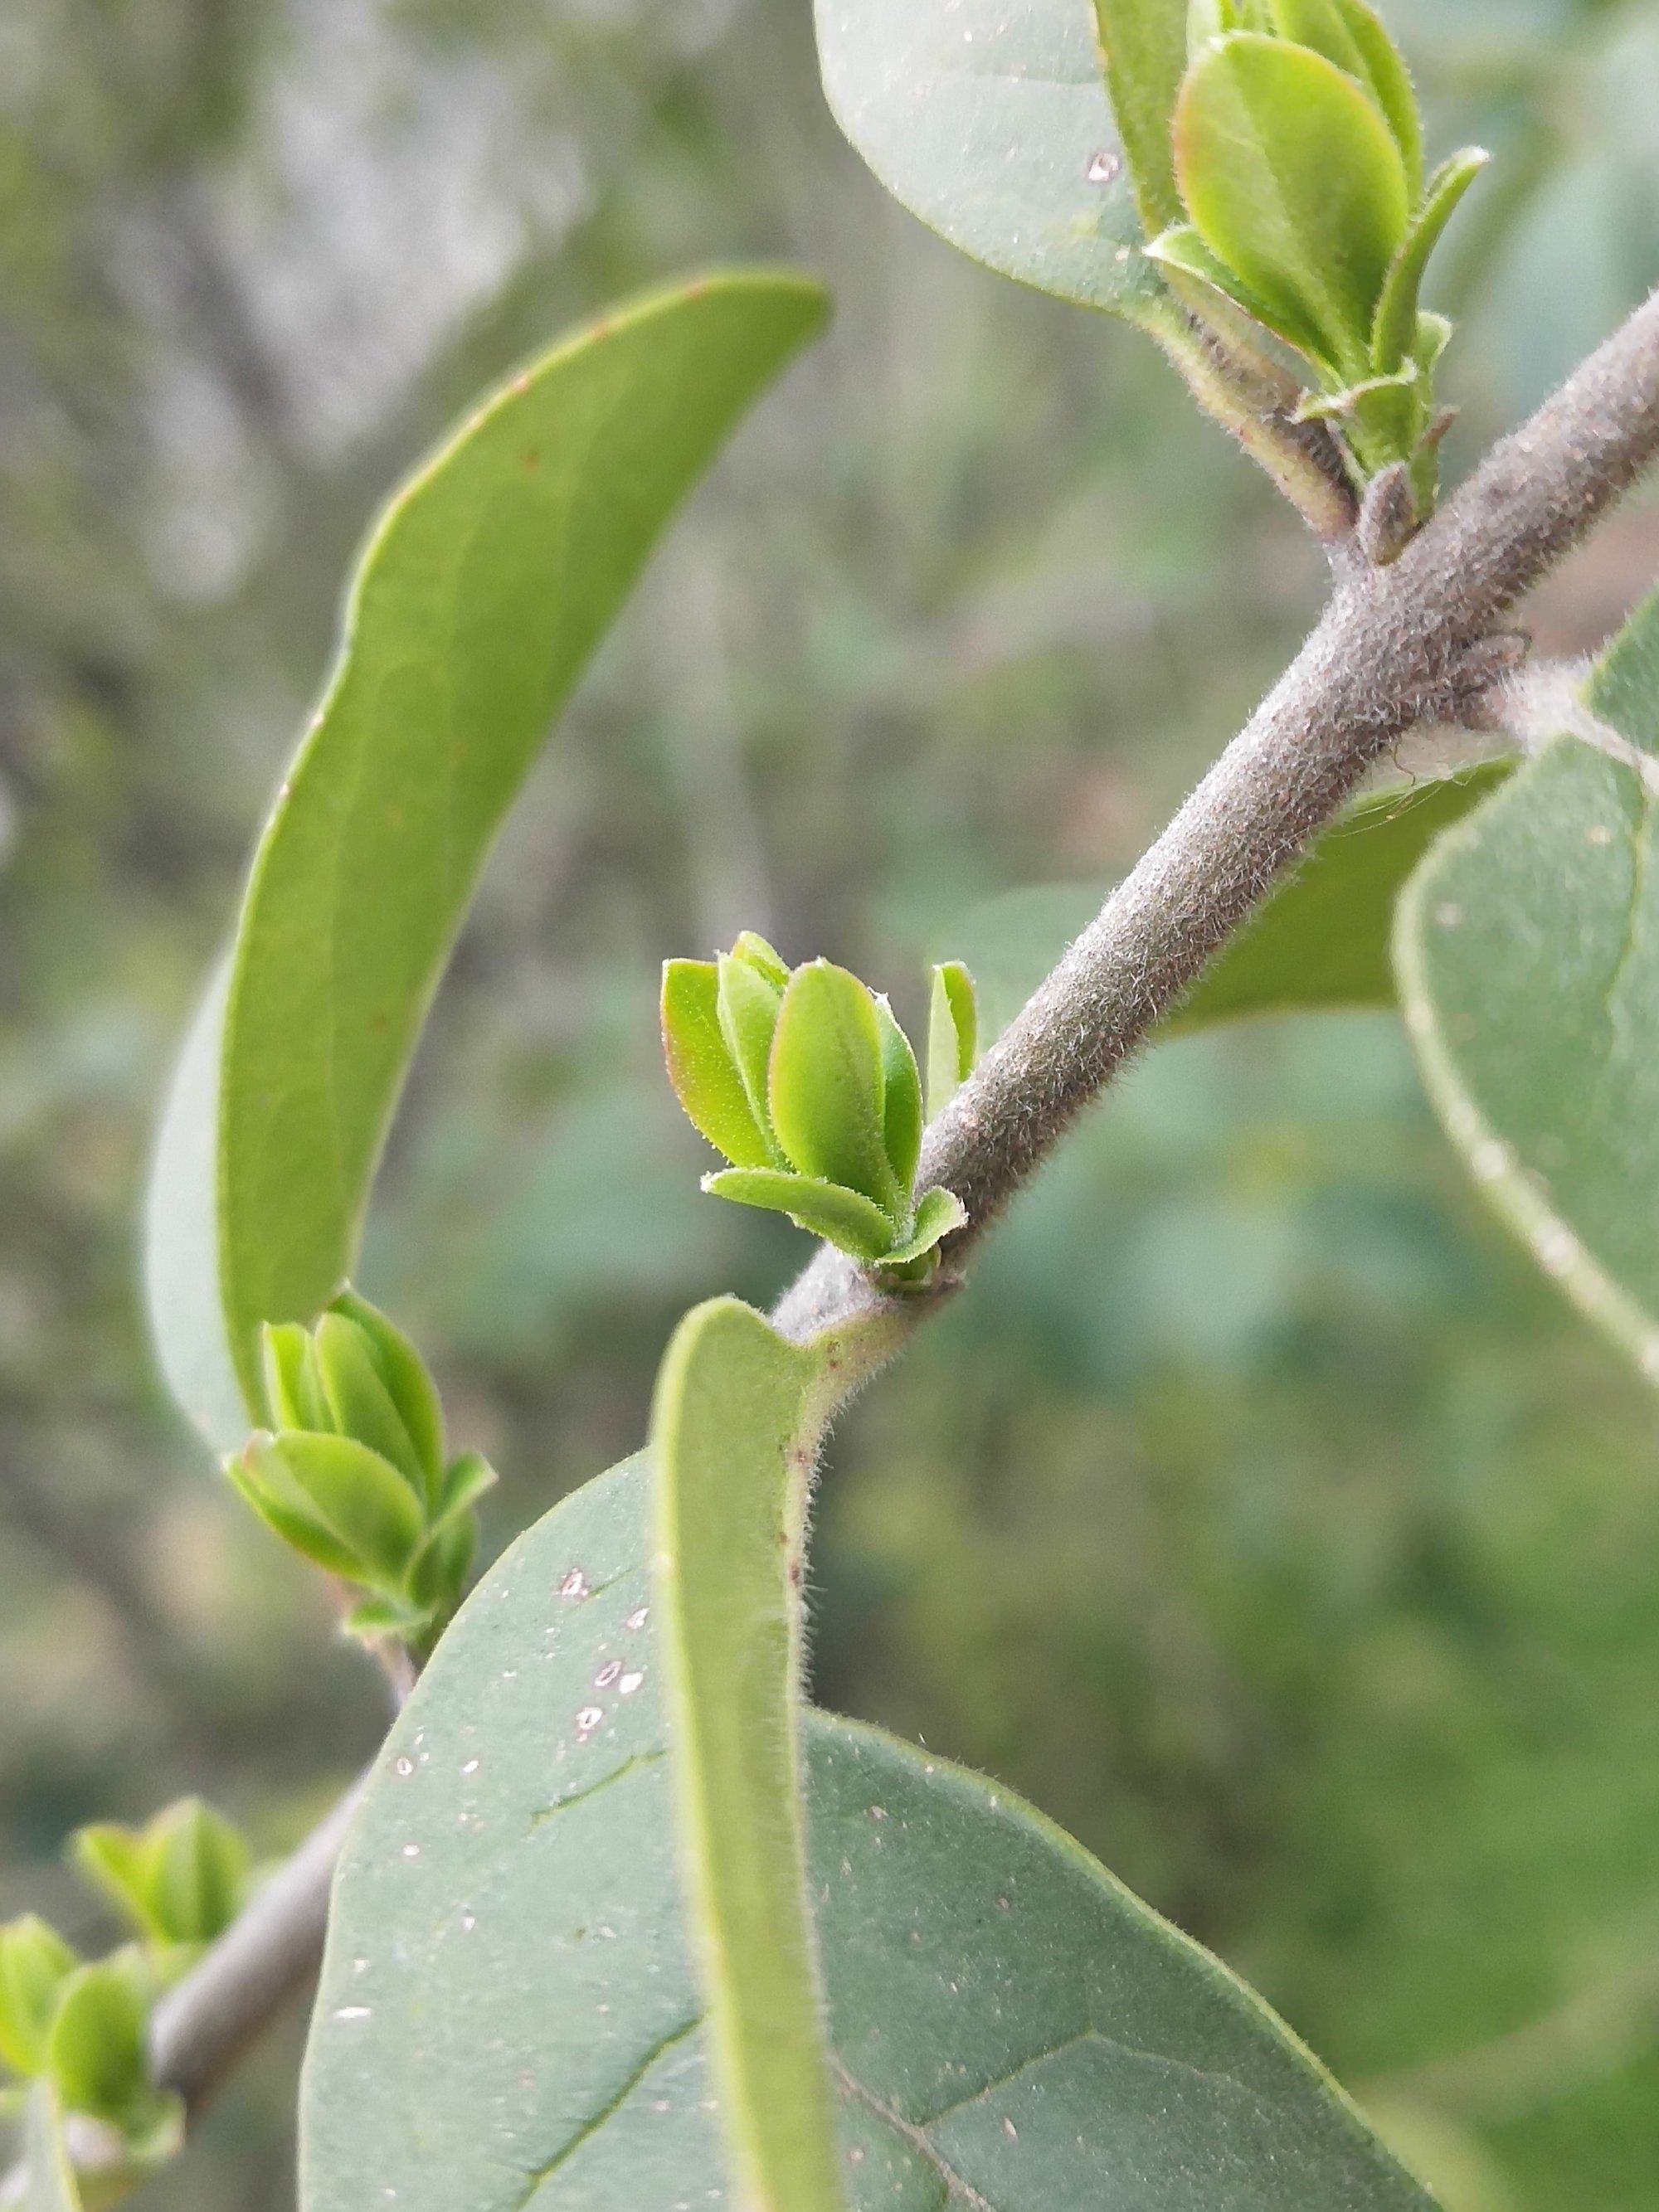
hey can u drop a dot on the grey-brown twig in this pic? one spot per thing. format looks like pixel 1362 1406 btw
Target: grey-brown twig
pixel 1406 643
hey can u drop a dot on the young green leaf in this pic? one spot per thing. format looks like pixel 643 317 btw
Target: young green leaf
pixel 1352 34
pixel 407 1378
pixel 1394 334
pixel 362 1499
pixel 1294 181
pixel 511 2015
pixel 901 1111
pixel 35 1962
pixel 830 1210
pixel 752 948
pixel 938 1213
pixel 701 1067
pixel 734 1433
pixel 483 593
pixel 294 1392
pixel 952 1033
pixel 260 1477
pixel 1195 273
pixel 95 2045
pixel 359 1404
pixel 748 1001
pixel 198 1871
pixel 1142 44
pixel 1623 690
pixel 826 1091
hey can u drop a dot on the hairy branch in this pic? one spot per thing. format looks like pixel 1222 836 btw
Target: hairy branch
pixel 1396 646
pixel 1406 643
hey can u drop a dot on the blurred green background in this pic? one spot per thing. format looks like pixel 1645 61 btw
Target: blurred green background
pixel 1257 1512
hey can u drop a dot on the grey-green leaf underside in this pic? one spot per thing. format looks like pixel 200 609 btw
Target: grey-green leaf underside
pixel 481 595
pixel 1528 952
pixel 507 2018
pixel 989 120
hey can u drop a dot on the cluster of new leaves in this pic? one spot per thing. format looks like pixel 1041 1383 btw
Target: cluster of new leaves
pixel 76 2027
pixel 807 1084
pixel 353 1471
pixel 1298 153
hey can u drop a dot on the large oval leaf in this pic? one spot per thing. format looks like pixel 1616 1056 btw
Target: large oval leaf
pixel 1528 953
pixel 988 119
pixel 509 2020
pixel 483 592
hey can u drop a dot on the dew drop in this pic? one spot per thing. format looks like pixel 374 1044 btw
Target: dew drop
pixel 1011 2130
pixel 638 1618
pixel 629 1683
pixel 587 1721
pixel 471 1767
pixel 607 1673
pixel 1103 167
pixel 575 1586
pixel 411 1850
pixel 405 1766
pixel 353 2012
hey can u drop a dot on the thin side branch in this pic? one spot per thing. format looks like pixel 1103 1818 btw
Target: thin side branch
pixel 1396 646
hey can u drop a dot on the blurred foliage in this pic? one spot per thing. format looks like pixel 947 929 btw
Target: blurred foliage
pixel 1256 1512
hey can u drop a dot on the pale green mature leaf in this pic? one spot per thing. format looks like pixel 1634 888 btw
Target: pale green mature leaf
pixel 48 2177
pixel 509 2020
pixel 734 1435
pixel 705 1079
pixel 827 1209
pixel 1528 952
pixel 482 594
pixel 1294 180
pixel 1624 685
pixel 826 1090
pixel 1143 43
pixel 1320 942
pixel 989 120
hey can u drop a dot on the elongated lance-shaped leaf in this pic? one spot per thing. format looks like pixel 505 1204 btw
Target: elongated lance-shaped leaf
pixel 510 2018
pixel 48 2177
pixel 734 1435
pixel 482 594
pixel 1142 44
pixel 1540 1044
pixel 989 120
pixel 1394 334
pixel 1293 178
